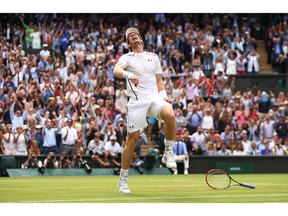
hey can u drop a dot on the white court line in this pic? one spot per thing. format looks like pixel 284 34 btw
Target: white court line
pixel 154 198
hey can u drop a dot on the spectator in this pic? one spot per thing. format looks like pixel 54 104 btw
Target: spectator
pixel 121 99
pixel 32 162
pixel 266 150
pixel 64 162
pixel 34 148
pixel 50 161
pixel 95 146
pixel 199 141
pixel 253 62
pixel 180 153
pixel 112 149
pixel 194 119
pixel 8 140
pixel 49 137
pixel 253 149
pixel 20 141
pixel 211 148
pixel 239 149
pixel 223 150
pixel 69 136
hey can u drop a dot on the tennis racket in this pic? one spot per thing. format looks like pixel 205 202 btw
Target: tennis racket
pixel 219 179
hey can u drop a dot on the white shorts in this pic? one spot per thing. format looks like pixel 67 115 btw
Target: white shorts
pixel 138 110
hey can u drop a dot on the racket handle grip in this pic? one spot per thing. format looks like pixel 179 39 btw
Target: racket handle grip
pixel 248 186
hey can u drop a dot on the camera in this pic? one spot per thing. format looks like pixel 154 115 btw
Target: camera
pixel 116 171
pixel 77 156
pixel 86 166
pixel 41 169
pixel 52 157
pixel 33 157
pixel 139 169
pixel 65 157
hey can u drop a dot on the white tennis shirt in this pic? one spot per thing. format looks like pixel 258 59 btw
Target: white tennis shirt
pixel 145 66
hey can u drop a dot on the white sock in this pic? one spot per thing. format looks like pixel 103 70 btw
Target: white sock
pixel 169 145
pixel 124 173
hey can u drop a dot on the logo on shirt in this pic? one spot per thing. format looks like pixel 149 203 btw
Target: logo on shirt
pixel 131 126
pixel 149 60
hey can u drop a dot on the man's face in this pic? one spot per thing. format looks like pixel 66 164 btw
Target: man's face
pixel 134 38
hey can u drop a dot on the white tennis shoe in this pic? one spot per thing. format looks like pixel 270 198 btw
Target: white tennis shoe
pixel 169 160
pixel 123 186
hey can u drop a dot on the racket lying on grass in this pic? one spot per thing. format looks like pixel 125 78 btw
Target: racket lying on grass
pixel 219 179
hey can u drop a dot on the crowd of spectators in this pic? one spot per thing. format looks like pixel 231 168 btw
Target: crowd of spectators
pixel 64 98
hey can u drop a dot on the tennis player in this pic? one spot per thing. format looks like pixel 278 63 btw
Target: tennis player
pixel 148 97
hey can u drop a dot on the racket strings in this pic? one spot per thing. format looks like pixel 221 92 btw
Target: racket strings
pixel 218 180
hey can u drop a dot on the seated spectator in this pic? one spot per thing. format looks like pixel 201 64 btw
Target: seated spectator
pixel 239 149
pixel 32 162
pixel 267 150
pixel 142 140
pixel 211 148
pixel 253 149
pixel 224 151
pixel 50 161
pixel 180 153
pixel 95 146
pixel 112 150
pixel 136 163
pixel 34 148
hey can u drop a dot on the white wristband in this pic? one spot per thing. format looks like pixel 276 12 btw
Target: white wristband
pixel 127 74
pixel 163 94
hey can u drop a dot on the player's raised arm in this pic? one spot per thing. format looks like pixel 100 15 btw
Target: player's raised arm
pixel 120 73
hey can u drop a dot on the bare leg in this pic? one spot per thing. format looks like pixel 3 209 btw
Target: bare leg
pixel 126 158
pixel 168 116
pixel 127 154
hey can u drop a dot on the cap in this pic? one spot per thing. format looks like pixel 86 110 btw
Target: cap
pixel 25 127
pixel 217 136
pixel 97 107
pixel 120 119
pixel 131 30
pixel 113 137
pixel 45 45
pixel 38 126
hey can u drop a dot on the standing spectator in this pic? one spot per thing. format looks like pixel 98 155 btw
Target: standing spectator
pixel 267 127
pixel 49 137
pixel 16 116
pixel 121 99
pixel 199 141
pixel 21 141
pixel 8 140
pixel 281 127
pixel 180 153
pixel 194 119
pixel 253 62
pixel 246 143
pixel 69 136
